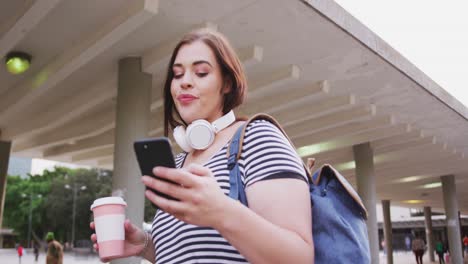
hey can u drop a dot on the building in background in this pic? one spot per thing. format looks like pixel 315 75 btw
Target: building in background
pixel 19 166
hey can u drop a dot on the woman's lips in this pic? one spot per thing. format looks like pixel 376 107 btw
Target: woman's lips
pixel 186 98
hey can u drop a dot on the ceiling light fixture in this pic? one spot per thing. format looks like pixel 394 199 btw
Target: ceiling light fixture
pixel 17 62
pixel 431 185
pixel 413 201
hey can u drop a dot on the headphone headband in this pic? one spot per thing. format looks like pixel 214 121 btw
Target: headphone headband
pixel 200 133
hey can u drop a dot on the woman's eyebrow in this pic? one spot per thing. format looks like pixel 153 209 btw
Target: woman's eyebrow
pixel 198 62
pixel 201 62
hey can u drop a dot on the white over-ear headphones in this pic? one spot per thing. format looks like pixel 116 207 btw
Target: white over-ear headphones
pixel 200 134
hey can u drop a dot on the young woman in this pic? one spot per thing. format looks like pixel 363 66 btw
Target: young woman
pixel 205 81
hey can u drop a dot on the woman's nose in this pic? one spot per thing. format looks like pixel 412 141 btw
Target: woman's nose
pixel 187 81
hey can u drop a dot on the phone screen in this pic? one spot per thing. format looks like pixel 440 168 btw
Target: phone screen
pixel 154 152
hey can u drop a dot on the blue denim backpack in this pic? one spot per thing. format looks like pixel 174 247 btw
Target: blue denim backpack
pixel 338 214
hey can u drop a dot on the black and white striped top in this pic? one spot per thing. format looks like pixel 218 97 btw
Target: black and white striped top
pixel 266 154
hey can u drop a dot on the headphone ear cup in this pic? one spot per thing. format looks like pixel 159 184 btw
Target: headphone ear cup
pixel 181 139
pixel 200 134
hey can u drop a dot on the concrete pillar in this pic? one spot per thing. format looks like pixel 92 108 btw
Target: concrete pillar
pixel 452 221
pixel 429 233
pixel 5 147
pixel 364 159
pixel 132 115
pixel 388 235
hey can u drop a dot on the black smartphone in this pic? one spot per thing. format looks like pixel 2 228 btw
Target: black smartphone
pixel 152 152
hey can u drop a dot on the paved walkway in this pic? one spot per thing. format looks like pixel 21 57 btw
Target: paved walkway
pixel 407 257
pixel 8 256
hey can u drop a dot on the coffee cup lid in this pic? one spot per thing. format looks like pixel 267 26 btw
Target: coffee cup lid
pixel 108 200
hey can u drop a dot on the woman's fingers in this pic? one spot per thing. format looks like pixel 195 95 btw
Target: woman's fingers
pixel 170 189
pixel 94 238
pixel 129 228
pixel 198 169
pixel 91 225
pixel 169 206
pixel 182 177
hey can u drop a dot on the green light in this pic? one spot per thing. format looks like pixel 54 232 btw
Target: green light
pixel 17 62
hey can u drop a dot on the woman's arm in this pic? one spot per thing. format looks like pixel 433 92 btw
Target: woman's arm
pixel 148 251
pixel 276 228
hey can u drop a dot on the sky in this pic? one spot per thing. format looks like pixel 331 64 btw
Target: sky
pixel 433 35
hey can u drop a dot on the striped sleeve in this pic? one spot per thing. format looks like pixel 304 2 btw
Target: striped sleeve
pixel 267 154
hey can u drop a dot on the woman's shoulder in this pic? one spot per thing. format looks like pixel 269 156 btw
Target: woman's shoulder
pixel 261 126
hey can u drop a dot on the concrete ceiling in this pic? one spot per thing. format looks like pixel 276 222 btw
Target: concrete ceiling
pixel 329 80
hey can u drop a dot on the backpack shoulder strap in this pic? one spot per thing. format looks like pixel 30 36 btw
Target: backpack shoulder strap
pixel 241 131
pixel 236 190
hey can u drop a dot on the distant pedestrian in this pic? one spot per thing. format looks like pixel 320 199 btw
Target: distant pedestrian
pixel 54 250
pixel 36 247
pixel 440 250
pixel 408 243
pixel 465 243
pixel 418 249
pixel 383 246
pixel 20 251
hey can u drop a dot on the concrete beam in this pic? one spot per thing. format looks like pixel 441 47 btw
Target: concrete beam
pixel 405 157
pixel 107 151
pixel 159 56
pixel 330 121
pixel 306 148
pixel 269 103
pixel 269 82
pixel 415 143
pixel 250 56
pixel 64 110
pixel 106 162
pixel 310 110
pixel 21 27
pixel 92 124
pixel 427 167
pixel 348 129
pixel 105 139
pixel 397 139
pixel 132 16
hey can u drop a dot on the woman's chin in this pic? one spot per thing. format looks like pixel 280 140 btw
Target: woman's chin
pixel 188 117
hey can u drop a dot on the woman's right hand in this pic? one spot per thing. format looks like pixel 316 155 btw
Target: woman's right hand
pixel 134 240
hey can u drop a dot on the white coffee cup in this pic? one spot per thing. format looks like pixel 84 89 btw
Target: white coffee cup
pixel 109 217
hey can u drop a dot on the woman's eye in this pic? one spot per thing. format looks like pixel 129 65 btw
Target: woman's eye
pixel 178 76
pixel 202 74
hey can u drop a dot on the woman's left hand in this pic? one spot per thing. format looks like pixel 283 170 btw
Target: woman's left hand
pixel 201 200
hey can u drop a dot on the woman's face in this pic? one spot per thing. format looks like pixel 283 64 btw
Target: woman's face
pixel 197 87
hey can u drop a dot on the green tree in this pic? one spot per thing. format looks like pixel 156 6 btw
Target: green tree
pixel 60 202
pixel 54 210
pixel 18 201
